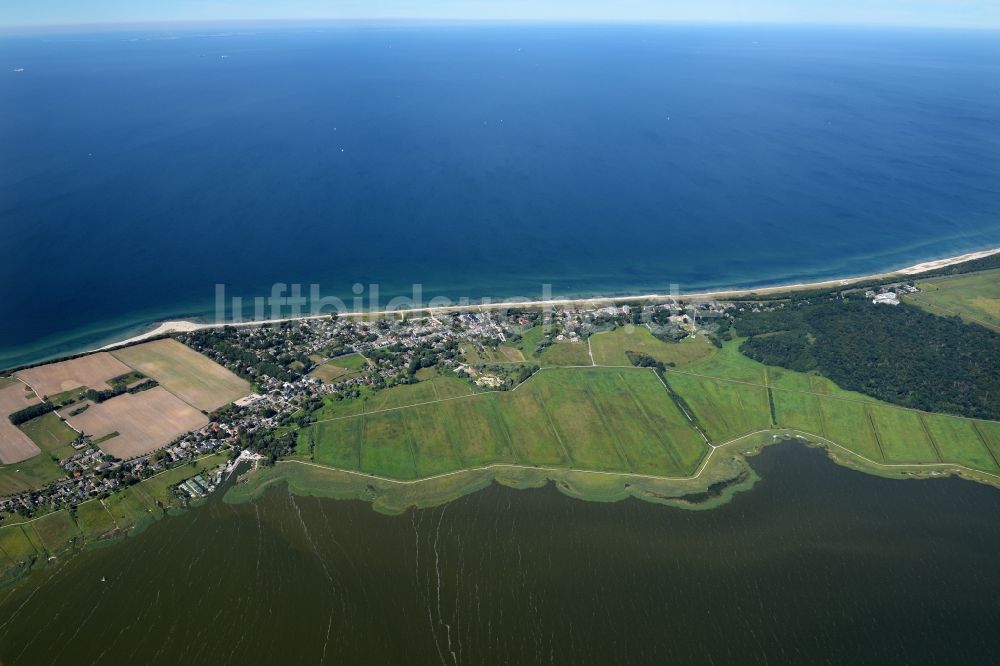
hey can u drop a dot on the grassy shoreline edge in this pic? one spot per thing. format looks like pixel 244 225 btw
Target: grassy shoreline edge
pixel 724 472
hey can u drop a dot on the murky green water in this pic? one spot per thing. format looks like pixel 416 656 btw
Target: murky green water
pixel 817 564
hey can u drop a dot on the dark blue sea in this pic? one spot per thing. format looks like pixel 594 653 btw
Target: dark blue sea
pixel 138 169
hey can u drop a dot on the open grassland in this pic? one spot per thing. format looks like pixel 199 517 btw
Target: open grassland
pixel 144 421
pixel 194 378
pixel 565 354
pixel 729 363
pixel 92 371
pixel 610 348
pixel 17 551
pixel 600 419
pixel 974 297
pixel 723 409
pixel 29 474
pixel 879 432
pixel 53 532
pixel 529 341
pixel 15 445
pixel 51 434
pixel 340 368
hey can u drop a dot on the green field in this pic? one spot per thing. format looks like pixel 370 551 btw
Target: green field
pixel 565 354
pixel 51 434
pixel 18 551
pixel 623 420
pixel 599 419
pixel 974 297
pixel 54 531
pixel 29 474
pixel 529 341
pixel 609 348
pixel 340 368
pixel 724 409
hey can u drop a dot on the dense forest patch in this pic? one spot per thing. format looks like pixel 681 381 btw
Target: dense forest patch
pixel 900 354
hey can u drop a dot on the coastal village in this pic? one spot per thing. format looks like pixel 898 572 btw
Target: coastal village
pixel 288 370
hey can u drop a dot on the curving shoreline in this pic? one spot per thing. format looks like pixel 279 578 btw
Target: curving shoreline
pixel 723 473
pixel 182 326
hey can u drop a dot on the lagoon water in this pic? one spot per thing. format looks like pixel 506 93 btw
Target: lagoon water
pixel 816 564
pixel 139 169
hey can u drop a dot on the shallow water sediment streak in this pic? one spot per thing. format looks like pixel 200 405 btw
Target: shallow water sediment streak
pixel 814 563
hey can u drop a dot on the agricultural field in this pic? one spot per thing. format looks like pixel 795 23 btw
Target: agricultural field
pixel 29 474
pixel 609 348
pixel 723 409
pixel 51 434
pixel 565 354
pixel 601 419
pixel 192 377
pixel 93 371
pixel 15 445
pixel 728 363
pixel 340 368
pixel 53 532
pixel 974 297
pixel 144 421
pixel 436 388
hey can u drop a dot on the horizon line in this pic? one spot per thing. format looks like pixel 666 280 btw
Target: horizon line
pixel 553 21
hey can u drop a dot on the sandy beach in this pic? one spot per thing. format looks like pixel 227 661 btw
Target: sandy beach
pixel 182 326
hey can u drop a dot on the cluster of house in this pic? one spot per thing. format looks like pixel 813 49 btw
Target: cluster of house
pixel 68 492
pixel 87 458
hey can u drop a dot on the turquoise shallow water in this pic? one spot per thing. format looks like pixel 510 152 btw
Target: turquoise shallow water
pixel 141 169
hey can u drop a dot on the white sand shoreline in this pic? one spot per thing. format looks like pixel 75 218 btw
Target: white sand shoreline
pixel 182 326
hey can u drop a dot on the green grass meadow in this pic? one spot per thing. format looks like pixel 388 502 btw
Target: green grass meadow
pixel 623 419
pixel 974 297
pixel 610 348
pixel 605 419
pixel 340 368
